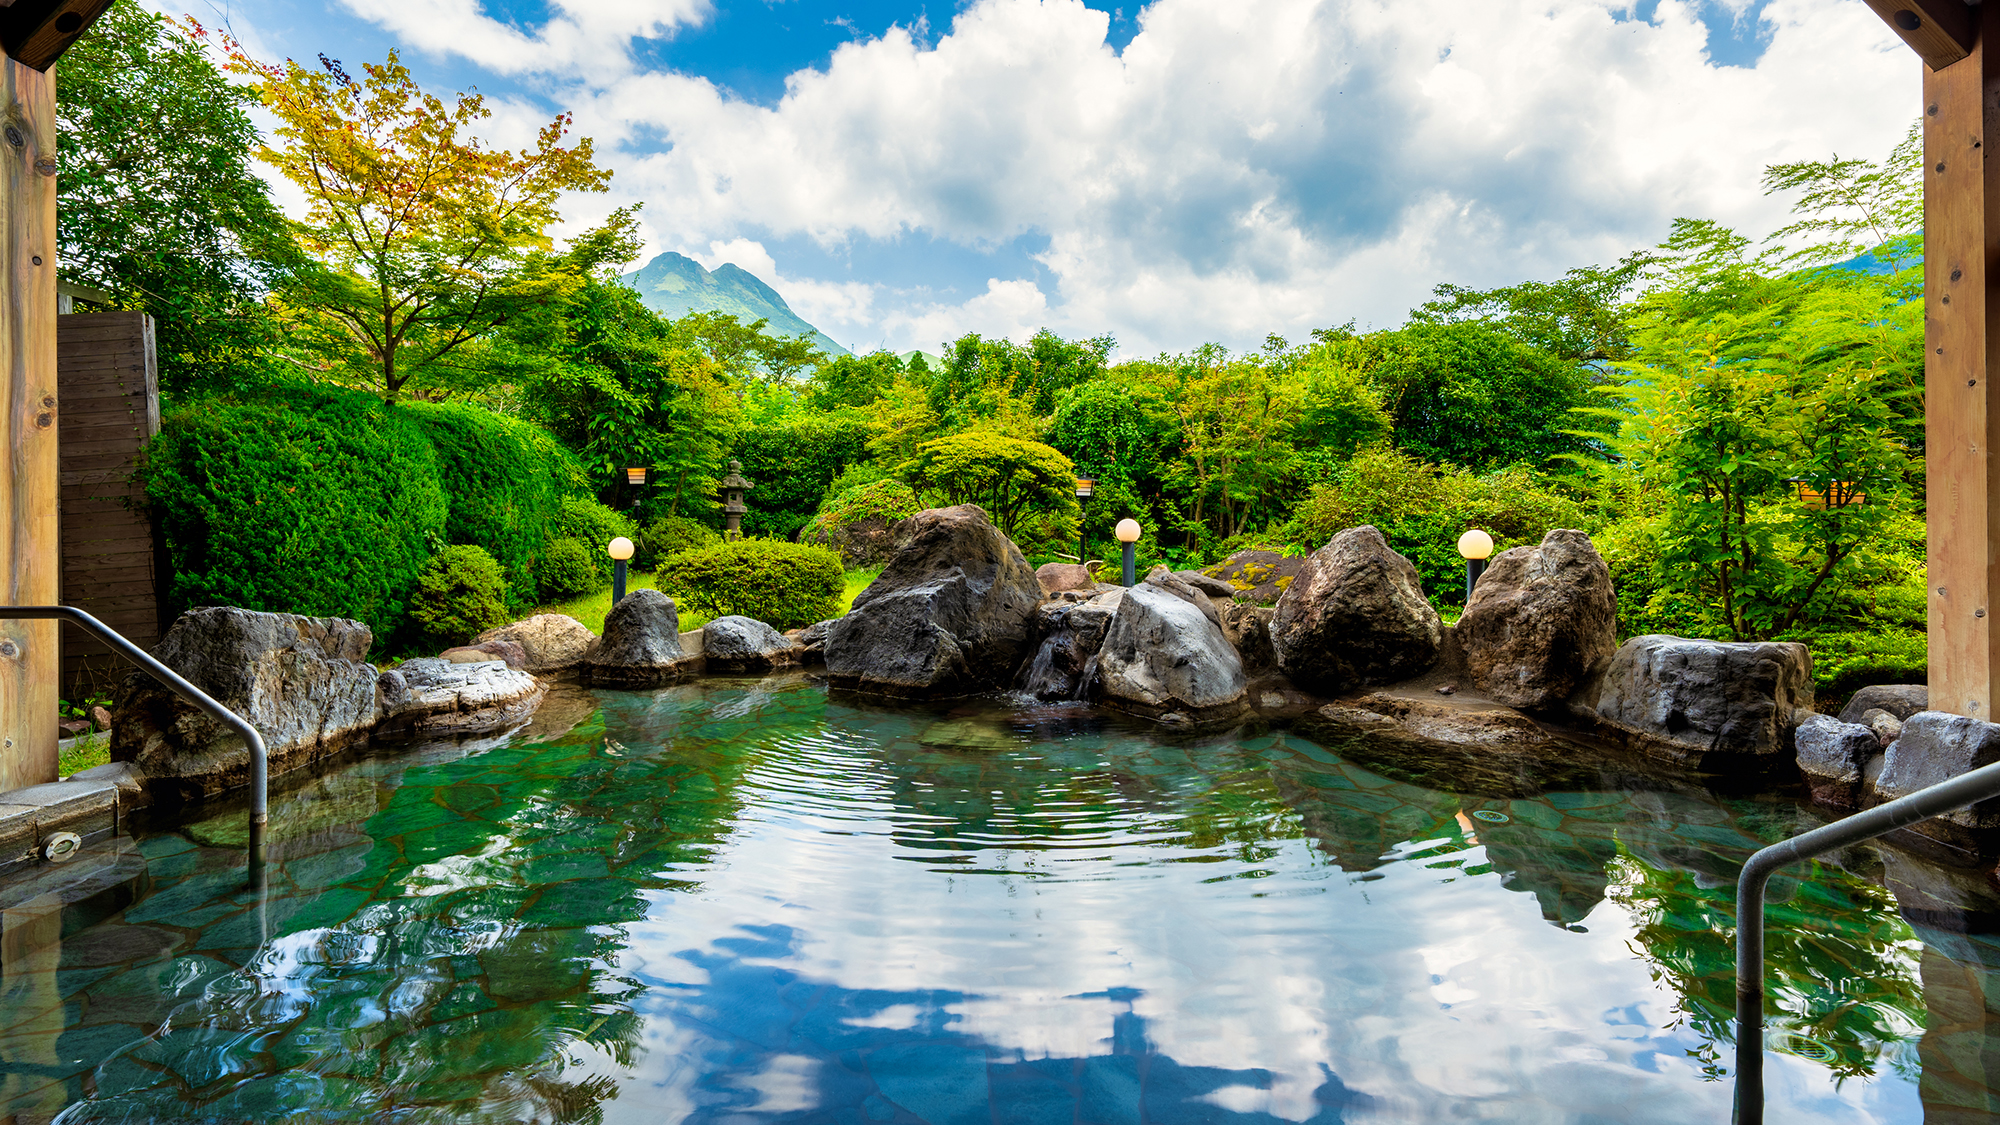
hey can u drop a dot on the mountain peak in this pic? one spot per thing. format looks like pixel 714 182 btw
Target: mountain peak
pixel 675 285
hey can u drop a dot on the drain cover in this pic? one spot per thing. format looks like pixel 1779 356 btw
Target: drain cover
pixel 60 846
pixel 1490 816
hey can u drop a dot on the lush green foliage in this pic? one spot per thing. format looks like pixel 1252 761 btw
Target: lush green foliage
pixel 786 585
pixel 297 499
pixel 792 463
pixel 1422 509
pixel 889 499
pixel 170 219
pixel 460 593
pixel 1011 479
pixel 569 569
pixel 506 481
pixel 669 536
pixel 593 524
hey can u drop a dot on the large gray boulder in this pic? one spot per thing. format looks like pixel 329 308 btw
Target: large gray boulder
pixel 1936 746
pixel 745 644
pixel 432 695
pixel 1161 655
pixel 551 641
pixel 1900 700
pixel 303 682
pixel 641 646
pixel 1715 704
pixel 952 614
pixel 1832 755
pixel 1355 614
pixel 1542 622
pixel 1160 578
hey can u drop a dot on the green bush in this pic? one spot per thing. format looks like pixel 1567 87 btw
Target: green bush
pixel 791 465
pixel 1844 663
pixel 670 535
pixel 298 499
pixel 461 593
pixel 787 585
pixel 594 525
pixel 891 499
pixel 506 481
pixel 568 569
pixel 1423 509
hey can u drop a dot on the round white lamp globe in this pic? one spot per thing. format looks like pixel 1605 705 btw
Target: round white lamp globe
pixel 620 548
pixel 1127 531
pixel 1475 544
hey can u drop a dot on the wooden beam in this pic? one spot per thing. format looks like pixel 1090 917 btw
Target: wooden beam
pixel 1939 31
pixel 29 536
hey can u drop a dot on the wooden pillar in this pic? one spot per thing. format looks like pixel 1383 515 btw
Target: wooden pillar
pixel 29 564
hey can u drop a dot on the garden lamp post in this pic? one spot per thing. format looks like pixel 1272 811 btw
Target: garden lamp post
pixel 619 550
pixel 1084 487
pixel 1477 547
pixel 1128 534
pixel 635 476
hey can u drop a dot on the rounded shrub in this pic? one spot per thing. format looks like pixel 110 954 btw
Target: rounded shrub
pixel 461 593
pixel 786 585
pixel 668 536
pixel 568 569
pixel 297 499
pixel 594 525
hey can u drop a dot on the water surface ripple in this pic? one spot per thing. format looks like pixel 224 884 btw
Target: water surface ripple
pixel 748 901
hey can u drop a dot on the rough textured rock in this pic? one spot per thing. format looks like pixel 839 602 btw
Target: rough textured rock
pixel 744 644
pixel 1542 622
pixel 1935 747
pixel 950 615
pixel 303 682
pixel 435 696
pixel 1458 724
pixel 1161 578
pixel 1065 661
pixel 1355 615
pixel 100 717
pixel 1056 577
pixel 1900 700
pixel 1713 703
pixel 1161 655
pixel 1257 576
pixel 812 642
pixel 1888 728
pixel 552 641
pixel 641 646
pixel 1213 587
pixel 1248 627
pixel 510 653
pixel 1831 755
pixel 864 542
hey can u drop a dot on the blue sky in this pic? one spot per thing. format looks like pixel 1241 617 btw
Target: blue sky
pixel 1171 173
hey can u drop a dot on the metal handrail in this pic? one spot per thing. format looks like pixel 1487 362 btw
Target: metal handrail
pixel 1965 789
pixel 260 758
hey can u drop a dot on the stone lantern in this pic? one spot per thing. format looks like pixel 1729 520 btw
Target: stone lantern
pixel 733 488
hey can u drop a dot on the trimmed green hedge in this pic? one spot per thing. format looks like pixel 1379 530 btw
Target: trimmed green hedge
pixel 568 569
pixel 786 585
pixel 505 480
pixel 595 526
pixel 461 593
pixel 297 499
pixel 791 466
pixel 669 536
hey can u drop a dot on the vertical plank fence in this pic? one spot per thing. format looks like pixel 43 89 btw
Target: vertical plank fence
pixel 108 381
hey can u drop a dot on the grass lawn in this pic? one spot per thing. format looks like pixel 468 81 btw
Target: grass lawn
pixel 591 609
pixel 85 752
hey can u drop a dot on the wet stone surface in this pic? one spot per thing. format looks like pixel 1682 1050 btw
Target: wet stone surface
pixel 746 900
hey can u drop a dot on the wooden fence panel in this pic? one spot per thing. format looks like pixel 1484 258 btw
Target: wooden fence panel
pixel 109 385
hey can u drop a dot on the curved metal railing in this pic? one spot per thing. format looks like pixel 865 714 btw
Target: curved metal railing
pixel 260 759
pixel 1965 789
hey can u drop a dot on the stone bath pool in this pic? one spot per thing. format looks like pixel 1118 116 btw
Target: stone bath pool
pixel 747 900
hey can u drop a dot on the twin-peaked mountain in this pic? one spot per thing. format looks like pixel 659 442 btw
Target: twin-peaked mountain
pixel 675 285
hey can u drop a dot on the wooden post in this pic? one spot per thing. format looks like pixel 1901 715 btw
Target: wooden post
pixel 29 656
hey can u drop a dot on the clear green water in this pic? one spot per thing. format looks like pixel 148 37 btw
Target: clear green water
pixel 747 902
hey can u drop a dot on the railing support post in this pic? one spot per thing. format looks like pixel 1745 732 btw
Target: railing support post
pixel 260 758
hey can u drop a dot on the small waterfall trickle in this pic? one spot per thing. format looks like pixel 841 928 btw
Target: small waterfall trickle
pixel 1065 663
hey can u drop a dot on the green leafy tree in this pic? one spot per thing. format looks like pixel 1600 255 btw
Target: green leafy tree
pixel 430 239
pixel 746 351
pixel 1578 318
pixel 1848 208
pixel 169 219
pixel 1011 479
pixel 853 381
